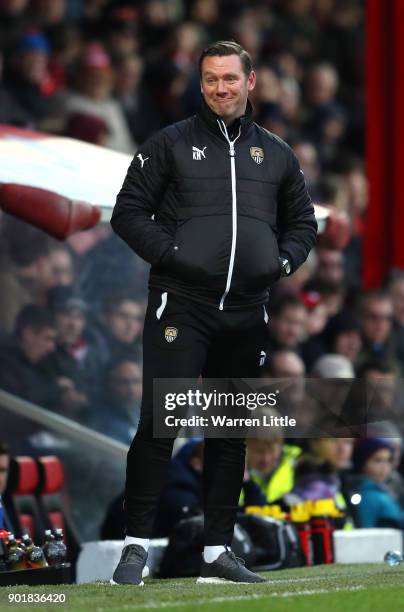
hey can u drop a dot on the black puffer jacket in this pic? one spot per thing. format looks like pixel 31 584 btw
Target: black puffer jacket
pixel 212 208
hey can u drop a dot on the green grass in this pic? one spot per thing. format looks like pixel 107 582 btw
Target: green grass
pixel 359 588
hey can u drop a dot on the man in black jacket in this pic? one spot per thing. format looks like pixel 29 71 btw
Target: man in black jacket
pixel 219 207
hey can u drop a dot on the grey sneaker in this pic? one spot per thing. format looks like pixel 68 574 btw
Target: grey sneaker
pixel 132 566
pixel 227 568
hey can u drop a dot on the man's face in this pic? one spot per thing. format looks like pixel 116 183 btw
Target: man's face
pixel 62 267
pixel 330 265
pixel 70 326
pixel 348 344
pixel 36 344
pixel 125 322
pixel 377 320
pixel 126 382
pixel 4 467
pixel 338 451
pixel 288 327
pixel 263 456
pixel 225 86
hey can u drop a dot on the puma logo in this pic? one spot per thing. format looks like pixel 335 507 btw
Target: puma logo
pixel 198 153
pixel 142 161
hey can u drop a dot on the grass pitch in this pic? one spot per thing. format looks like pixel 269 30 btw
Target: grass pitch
pixel 359 588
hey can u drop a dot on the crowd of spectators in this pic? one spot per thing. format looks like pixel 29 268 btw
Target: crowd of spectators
pixel 112 73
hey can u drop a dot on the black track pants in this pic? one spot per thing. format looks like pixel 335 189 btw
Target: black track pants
pixel 216 344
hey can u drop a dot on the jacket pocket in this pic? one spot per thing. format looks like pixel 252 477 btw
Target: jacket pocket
pixel 257 255
pixel 201 249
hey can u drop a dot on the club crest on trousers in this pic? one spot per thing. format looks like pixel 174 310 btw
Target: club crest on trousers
pixel 170 333
pixel 257 154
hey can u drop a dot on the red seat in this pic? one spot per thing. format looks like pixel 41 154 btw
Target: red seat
pixel 20 496
pixel 53 502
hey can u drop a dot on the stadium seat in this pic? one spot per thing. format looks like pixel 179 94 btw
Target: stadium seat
pixel 52 501
pixel 20 498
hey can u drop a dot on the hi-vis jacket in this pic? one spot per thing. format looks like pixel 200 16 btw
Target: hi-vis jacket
pixel 212 208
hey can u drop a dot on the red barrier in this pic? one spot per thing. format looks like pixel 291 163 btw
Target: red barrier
pixel 55 214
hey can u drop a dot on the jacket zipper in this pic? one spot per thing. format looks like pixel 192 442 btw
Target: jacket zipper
pixel 232 154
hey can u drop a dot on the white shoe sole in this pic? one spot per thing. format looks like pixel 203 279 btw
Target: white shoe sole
pixel 126 583
pixel 145 573
pixel 219 581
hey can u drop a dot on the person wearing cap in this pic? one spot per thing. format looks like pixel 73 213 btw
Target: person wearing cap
pixel 76 357
pixel 333 366
pixel 29 80
pixel 93 96
pixel 373 461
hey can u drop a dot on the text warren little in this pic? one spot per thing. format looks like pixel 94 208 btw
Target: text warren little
pixel 224 421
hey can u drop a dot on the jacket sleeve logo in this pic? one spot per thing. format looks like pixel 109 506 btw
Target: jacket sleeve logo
pixel 257 154
pixel 142 161
pixel 198 153
pixel 170 333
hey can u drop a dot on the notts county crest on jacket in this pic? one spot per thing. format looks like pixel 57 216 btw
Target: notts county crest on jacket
pixel 257 154
pixel 170 333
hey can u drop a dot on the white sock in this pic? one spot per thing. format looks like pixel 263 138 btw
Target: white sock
pixel 211 553
pixel 140 541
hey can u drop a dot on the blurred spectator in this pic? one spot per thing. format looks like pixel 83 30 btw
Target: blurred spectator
pixel 25 271
pixel 4 471
pixel 66 40
pixel 87 127
pixel 77 356
pixel 333 392
pixel 107 267
pixel 121 29
pixel 292 400
pixel 63 265
pixel 93 96
pixel 396 292
pixel 207 14
pixel 121 324
pixel 29 80
pixel 333 366
pixel 134 97
pixel 332 294
pixel 285 364
pixel 391 433
pixel 270 465
pixel 287 323
pixel 372 460
pixel 10 110
pixel 47 13
pixel 327 118
pixel 317 317
pixel 377 329
pixel 117 412
pixel 319 473
pixel 21 357
pixel 384 395
pixel 330 265
pixel 307 155
pixel 343 335
pixel 13 22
